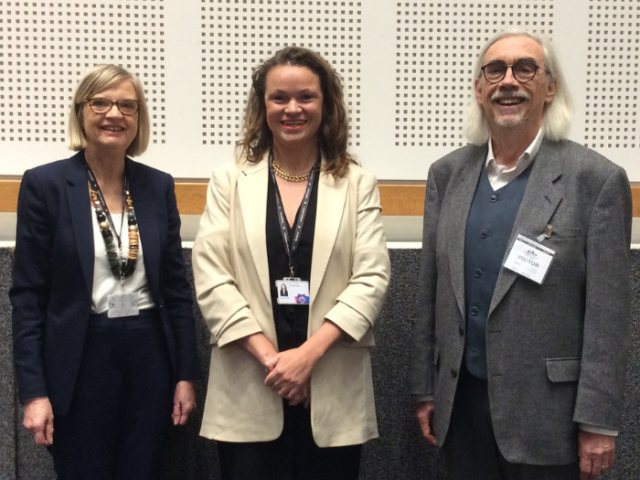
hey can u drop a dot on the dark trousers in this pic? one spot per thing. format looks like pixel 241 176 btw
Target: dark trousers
pixel 470 449
pixel 121 405
pixel 293 456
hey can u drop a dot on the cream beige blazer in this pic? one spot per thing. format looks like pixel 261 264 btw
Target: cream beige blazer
pixel 349 276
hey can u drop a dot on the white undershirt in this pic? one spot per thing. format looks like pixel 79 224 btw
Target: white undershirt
pixel 500 175
pixel 104 282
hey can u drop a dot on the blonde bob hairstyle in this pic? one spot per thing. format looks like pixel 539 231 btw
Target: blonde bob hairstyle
pixel 334 129
pixel 557 114
pixel 96 80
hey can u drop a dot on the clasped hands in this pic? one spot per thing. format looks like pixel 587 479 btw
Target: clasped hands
pixel 288 374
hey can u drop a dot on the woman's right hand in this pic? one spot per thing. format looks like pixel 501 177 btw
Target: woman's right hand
pixel 261 348
pixel 38 418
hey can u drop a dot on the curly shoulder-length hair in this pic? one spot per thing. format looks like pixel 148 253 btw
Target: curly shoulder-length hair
pixel 96 80
pixel 334 130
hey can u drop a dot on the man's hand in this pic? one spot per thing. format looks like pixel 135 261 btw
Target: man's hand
pixel 38 418
pixel 184 402
pixel 424 414
pixel 597 454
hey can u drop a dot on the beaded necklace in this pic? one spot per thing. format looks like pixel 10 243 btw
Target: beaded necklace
pixel 122 268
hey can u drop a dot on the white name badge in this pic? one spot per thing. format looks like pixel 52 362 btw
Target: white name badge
pixel 530 259
pixel 292 291
pixel 122 305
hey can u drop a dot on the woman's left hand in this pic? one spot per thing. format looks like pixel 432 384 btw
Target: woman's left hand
pixel 290 371
pixel 184 402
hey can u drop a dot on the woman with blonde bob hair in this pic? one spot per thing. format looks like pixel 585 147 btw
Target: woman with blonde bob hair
pixel 103 330
pixel 103 77
pixel 290 394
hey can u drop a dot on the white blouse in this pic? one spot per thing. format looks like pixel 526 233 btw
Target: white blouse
pixel 104 282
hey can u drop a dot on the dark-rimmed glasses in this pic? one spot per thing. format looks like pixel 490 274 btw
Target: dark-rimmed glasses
pixel 523 71
pixel 103 105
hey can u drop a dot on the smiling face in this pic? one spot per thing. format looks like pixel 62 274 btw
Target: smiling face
pixel 111 130
pixel 293 99
pixel 510 104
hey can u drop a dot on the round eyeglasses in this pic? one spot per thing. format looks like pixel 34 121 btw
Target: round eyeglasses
pixel 103 105
pixel 523 71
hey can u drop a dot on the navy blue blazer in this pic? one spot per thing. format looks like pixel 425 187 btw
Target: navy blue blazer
pixel 53 275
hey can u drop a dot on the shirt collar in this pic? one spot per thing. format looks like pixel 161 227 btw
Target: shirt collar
pixel 523 162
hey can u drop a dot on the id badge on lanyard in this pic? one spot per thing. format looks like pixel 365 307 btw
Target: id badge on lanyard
pixel 122 305
pixel 292 290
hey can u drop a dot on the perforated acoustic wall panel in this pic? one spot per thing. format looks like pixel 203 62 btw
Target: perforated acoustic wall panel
pixel 437 44
pixel 237 36
pixel 46 47
pixel 406 65
pixel 613 67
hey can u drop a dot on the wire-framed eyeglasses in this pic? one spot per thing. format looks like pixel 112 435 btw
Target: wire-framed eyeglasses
pixel 523 71
pixel 103 105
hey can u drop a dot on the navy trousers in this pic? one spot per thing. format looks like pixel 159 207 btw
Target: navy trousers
pixel 122 403
pixel 470 449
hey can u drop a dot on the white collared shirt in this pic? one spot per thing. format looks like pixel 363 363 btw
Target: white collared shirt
pixel 500 175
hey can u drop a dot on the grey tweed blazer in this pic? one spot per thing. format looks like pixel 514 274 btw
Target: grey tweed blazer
pixel 557 352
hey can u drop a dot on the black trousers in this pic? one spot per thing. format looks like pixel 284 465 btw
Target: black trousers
pixel 470 449
pixel 293 456
pixel 121 406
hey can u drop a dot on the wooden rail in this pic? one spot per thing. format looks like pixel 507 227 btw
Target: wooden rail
pixel 397 199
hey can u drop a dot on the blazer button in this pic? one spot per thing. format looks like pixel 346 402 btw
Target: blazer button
pixel 473 311
pixel 484 234
pixel 461 331
pixel 494 198
pixel 454 373
pixel 477 273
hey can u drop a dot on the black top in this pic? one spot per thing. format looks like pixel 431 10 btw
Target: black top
pixel 291 320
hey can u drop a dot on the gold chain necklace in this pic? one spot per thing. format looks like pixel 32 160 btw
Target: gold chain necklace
pixel 291 177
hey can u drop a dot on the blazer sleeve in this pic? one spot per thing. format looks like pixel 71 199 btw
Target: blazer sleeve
pixel 224 308
pixel 176 293
pixel 31 287
pixel 359 304
pixel 423 349
pixel 606 339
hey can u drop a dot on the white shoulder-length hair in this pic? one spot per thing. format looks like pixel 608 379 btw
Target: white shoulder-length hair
pixel 557 114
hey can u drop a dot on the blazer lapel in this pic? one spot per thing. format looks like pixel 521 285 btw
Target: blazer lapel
pixel 541 199
pixel 253 189
pixel 332 195
pixel 81 211
pixel 143 203
pixel 461 199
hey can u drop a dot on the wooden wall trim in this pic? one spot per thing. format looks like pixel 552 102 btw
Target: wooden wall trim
pixel 397 199
pixel 9 195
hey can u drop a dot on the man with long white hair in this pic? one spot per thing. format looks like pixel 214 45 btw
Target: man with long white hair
pixel 521 339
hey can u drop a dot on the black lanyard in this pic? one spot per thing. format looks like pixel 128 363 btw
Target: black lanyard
pixel 103 203
pixel 292 247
